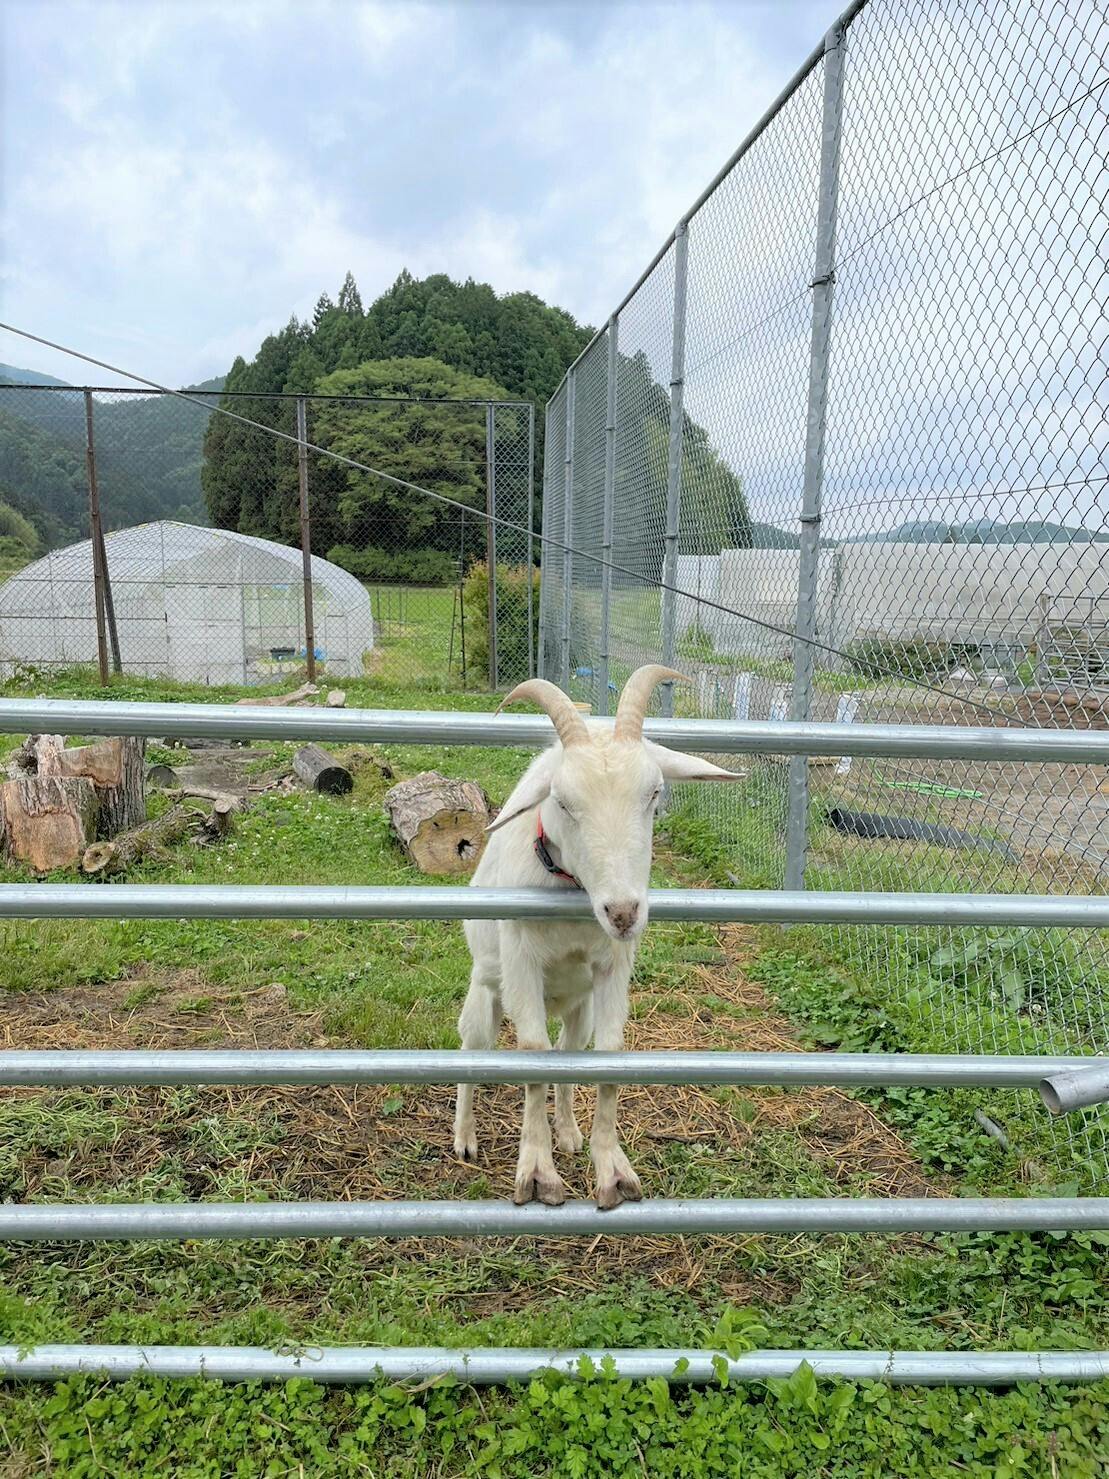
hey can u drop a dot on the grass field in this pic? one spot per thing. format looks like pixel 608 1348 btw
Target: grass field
pixel 400 984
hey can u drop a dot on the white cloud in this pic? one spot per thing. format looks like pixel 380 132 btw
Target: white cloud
pixel 192 173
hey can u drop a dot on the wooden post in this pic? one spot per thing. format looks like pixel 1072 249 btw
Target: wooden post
pixel 98 565
pixel 306 537
pixel 491 539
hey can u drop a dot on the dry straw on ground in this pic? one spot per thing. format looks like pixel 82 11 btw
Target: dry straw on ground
pixel 385 1143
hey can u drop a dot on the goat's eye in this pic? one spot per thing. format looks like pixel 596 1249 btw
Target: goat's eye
pixel 563 807
pixel 654 797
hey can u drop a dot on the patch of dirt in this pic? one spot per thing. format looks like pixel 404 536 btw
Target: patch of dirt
pixel 391 1142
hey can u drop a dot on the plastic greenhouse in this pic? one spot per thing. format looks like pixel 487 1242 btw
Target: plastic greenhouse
pixel 199 605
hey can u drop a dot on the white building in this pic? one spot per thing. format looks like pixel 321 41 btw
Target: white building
pixel 199 605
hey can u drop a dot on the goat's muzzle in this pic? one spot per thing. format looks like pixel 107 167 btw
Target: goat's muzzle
pixel 623 918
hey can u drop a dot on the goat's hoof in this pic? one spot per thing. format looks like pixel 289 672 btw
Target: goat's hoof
pixel 616 1182
pixel 465 1145
pixel 612 1193
pixel 537 1184
pixel 569 1137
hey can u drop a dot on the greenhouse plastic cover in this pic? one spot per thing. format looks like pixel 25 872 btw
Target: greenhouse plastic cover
pixel 194 604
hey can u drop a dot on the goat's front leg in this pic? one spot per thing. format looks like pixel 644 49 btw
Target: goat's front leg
pixel 616 1181
pixel 577 1029
pixel 536 1177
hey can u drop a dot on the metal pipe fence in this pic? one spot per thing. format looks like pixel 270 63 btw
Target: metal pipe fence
pixel 486 1366
pixel 218 552
pixel 448 727
pixel 663 1217
pixel 868 366
pixel 54 1067
pixel 470 1219
pixel 718 906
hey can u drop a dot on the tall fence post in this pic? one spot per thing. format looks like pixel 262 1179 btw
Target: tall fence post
pixel 609 500
pixel 491 539
pixel 568 531
pixel 674 462
pixel 531 541
pixel 306 538
pixel 542 669
pixel 822 288
pixel 99 556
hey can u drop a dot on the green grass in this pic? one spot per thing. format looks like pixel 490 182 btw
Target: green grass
pixel 414 628
pixel 400 984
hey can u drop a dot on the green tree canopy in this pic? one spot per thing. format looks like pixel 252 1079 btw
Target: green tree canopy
pixel 517 342
pixel 437 445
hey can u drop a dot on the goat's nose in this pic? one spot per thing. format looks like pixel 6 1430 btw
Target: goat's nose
pixel 622 916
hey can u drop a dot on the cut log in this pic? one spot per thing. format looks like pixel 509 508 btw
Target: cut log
pixel 123 803
pixel 439 823
pixel 336 699
pixel 299 695
pixel 148 840
pixel 321 771
pixel 161 776
pixel 47 819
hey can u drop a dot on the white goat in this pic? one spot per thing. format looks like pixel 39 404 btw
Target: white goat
pixel 582 815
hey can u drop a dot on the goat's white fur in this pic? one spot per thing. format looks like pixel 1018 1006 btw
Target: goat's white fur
pixel 597 795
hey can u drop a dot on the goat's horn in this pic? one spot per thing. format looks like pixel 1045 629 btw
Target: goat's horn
pixel 568 723
pixel 637 695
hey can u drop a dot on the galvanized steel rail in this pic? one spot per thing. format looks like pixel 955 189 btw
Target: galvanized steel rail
pixel 56 1067
pixel 720 906
pixel 484 1366
pixel 444 727
pixel 670 1216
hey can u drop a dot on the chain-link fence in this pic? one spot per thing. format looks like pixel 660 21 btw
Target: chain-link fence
pixel 162 539
pixel 843 447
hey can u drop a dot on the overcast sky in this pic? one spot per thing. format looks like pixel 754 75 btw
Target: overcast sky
pixel 179 177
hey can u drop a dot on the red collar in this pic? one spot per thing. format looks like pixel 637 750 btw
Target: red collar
pixel 544 856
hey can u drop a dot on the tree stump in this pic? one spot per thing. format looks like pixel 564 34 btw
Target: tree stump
pixel 47 819
pixel 439 823
pixel 122 802
pixel 321 771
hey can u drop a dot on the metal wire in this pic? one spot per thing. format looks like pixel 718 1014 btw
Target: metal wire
pixel 651 575
pixel 962 548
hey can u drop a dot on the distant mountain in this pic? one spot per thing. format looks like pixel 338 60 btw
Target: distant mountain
pixel 769 536
pixel 12 373
pixel 983 531
pixel 148 456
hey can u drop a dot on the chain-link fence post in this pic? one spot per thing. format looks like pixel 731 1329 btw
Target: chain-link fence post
pixel 541 663
pixel 491 541
pixel 609 499
pixel 568 530
pixel 306 537
pixel 531 541
pixel 822 288
pixel 99 556
pixel 674 461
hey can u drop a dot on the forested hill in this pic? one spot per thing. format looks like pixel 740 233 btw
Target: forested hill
pixel 148 456
pixel 517 341
pixel 432 338
pixel 427 339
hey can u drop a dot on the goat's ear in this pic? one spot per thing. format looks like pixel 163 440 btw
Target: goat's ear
pixel 679 767
pixel 532 790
